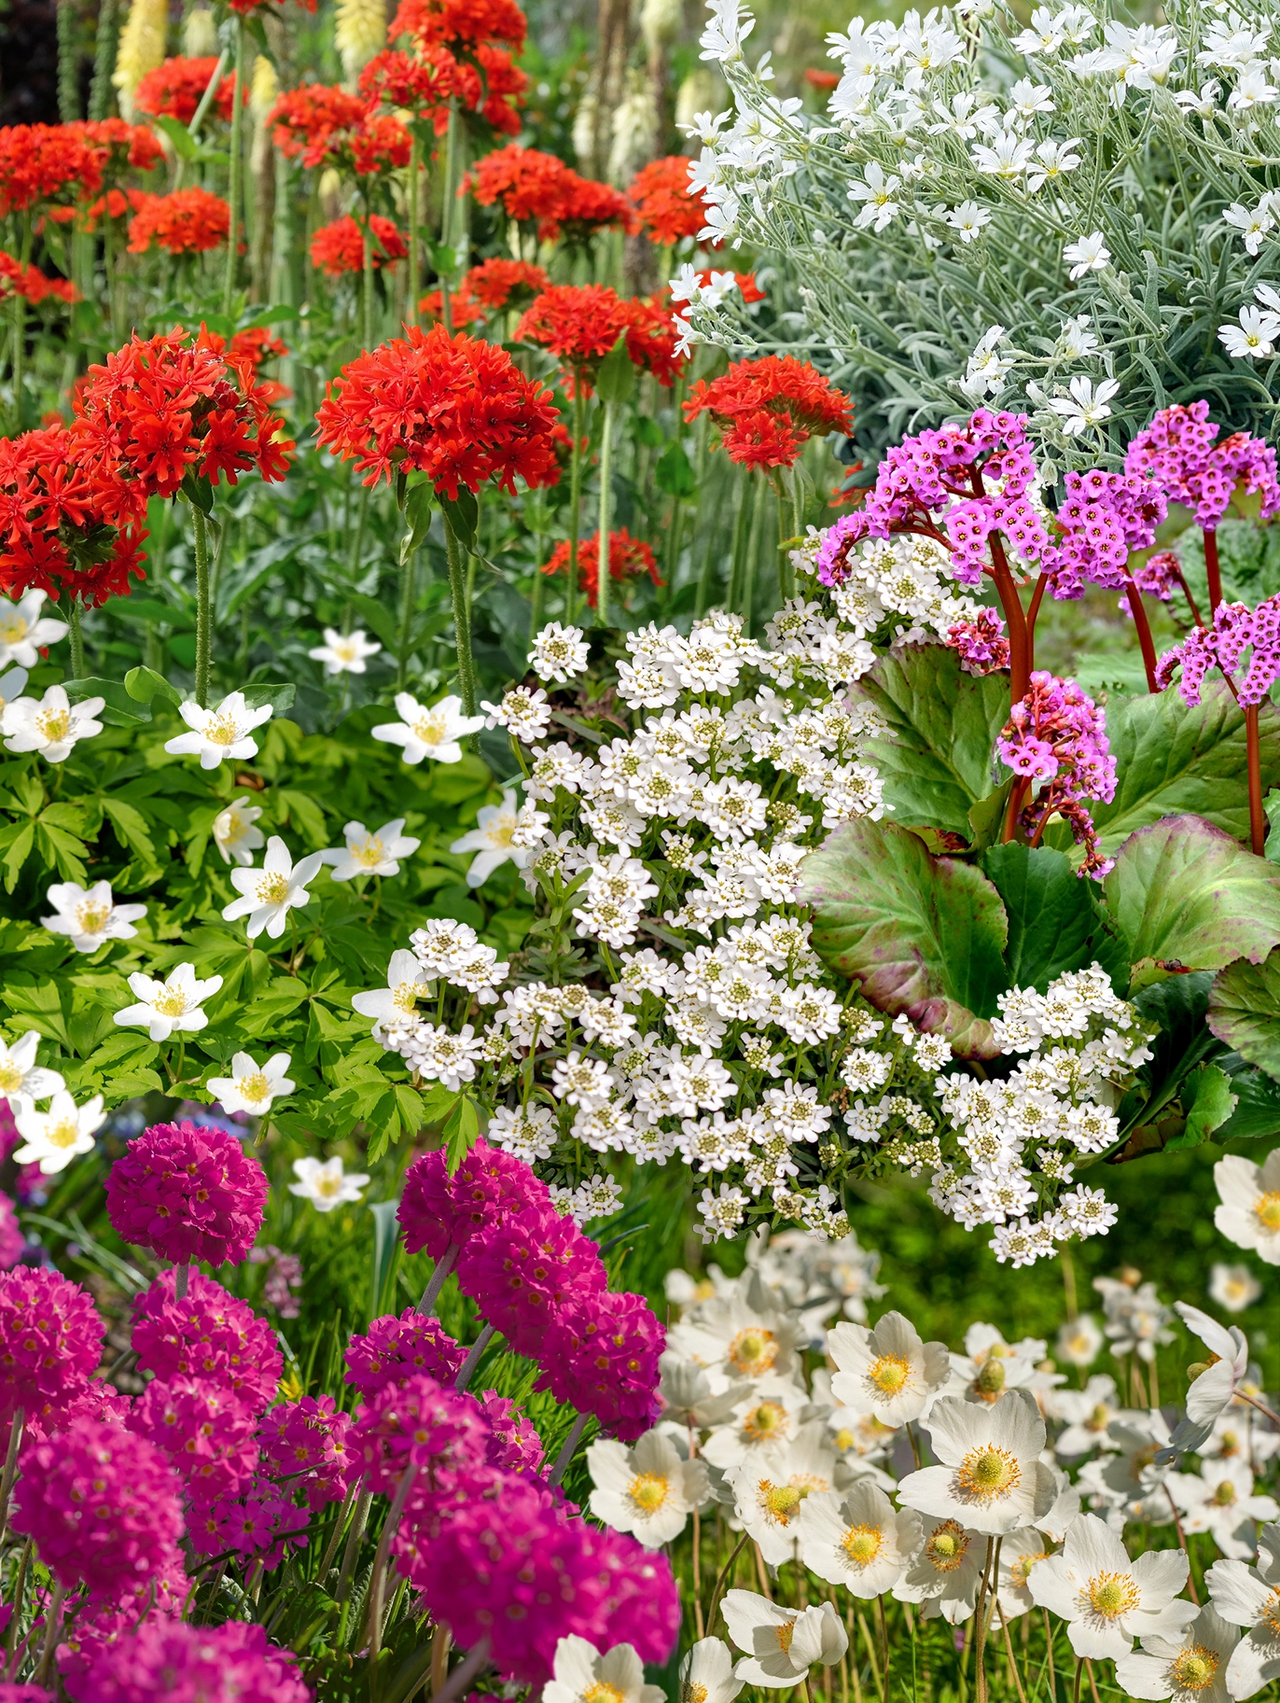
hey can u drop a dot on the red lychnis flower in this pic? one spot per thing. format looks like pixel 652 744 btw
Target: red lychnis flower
pixel 537 188
pixel 629 558
pixel 487 288
pixel 418 84
pixel 768 409
pixel 115 204
pixel 460 23
pixel 42 164
pixel 463 310
pixel 339 247
pixel 31 283
pixel 174 89
pixel 493 87
pixel 120 145
pixel 453 407
pixel 190 221
pixel 304 120
pixel 668 207
pixel 580 323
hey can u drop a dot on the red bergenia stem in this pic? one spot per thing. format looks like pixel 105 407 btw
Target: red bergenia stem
pixel 1033 615
pixel 1191 602
pixel 1015 621
pixel 1257 816
pixel 1212 569
pixel 1021 787
pixel 1143 626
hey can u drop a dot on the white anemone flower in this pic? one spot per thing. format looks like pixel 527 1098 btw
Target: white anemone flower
pixel 1249 1214
pixel 24 632
pixel 234 833
pixel 22 1080
pixel 766 1417
pixel 1220 1500
pixel 436 732
pixel 173 1005
pixel 648 1490
pixel 1079 1341
pixel 735 1340
pixel 944 1575
pixel 583 1675
pixel 887 1370
pixel 491 840
pixel 252 1087
pixel 218 734
pixel 1249 1597
pixel 1192 1668
pixel 344 653
pixel 862 1542
pixel 54 1138
pixel 1106 1599
pixel 1213 1382
pixel 1233 1287
pixel 1020 1551
pixel 396 1004
pixel 88 917
pixel 782 1643
pixel 322 1183
pixel 1088 1414
pixel 706 1673
pixel 12 685
pixel 267 895
pixel 770 1488
pixel 50 725
pixel 989 1473
pixel 369 853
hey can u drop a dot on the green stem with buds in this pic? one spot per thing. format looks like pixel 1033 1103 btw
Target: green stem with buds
pixel 606 503
pixel 234 187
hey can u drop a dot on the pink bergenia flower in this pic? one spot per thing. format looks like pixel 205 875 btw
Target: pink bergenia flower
pixel 1177 453
pixel 205 1431
pixel 50 1342
pixel 187 1193
pixel 399 1348
pixel 1101 520
pixel 981 643
pixel 438 1211
pixel 419 1422
pixel 102 1505
pixel 232 1663
pixel 308 1437
pixel 208 1334
pixel 1059 735
pixel 523 1270
pixel 1236 628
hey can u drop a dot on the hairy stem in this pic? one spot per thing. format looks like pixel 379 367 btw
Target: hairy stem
pixel 575 503
pixel 608 423
pixel 1212 569
pixel 234 187
pixel 1143 626
pixel 1257 816
pixel 461 619
pixel 203 616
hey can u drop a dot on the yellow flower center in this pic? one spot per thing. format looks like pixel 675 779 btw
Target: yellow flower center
pixel 1230 1445
pixel 691 1693
pixel 64 1134
pixel 1141 1460
pixel 1194 1669
pixel 753 1350
pixel 946 1546
pixel 222 730
pixel 10 1076
pixel 13 629
pixel 990 1380
pixel 649 1491
pixel 862 1544
pixel 1225 1494
pixel 987 1473
pixel 844 1439
pixel 1113 1594
pixel 780 1501
pixel 404 996
pixel 369 853
pixel 1267 1209
pixel 273 889
pixel 1023 1565
pixel 765 1423
pixel 254 1087
pixel 1270 1613
pixel 54 724
pixel 890 1373
pixel 1099 1419
pixel 170 1002
pixel 328 1183
pixel 92 918
pixel 430 730
pixel 602 1693
pixel 501 831
pixel 784 1634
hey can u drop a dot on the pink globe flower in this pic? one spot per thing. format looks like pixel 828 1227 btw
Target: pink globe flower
pixel 601 1356
pixel 208 1334
pixel 255 1526
pixel 521 1271
pixel 438 1210
pixel 233 1663
pixel 308 1437
pixel 50 1341
pixel 12 1241
pixel 102 1504
pixel 204 1430
pixel 396 1349
pixel 422 1423
pixel 514 1445
pixel 187 1193
pixel 97 1400
pixel 94 1627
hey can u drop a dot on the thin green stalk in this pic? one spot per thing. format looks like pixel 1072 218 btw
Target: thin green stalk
pixel 68 65
pixel 752 564
pixel 741 526
pixel 234 188
pixel 104 59
pixel 414 285
pixel 461 619
pixel 447 197
pixel 786 573
pixel 204 620
pixel 77 639
pixel 366 283
pixel 606 503
pixel 575 503
pixel 404 643
pixel 19 359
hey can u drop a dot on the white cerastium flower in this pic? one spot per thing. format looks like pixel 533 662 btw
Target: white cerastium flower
pixel 781 1643
pixel 583 1675
pixel 54 1138
pixel 989 1472
pixel 173 1005
pixel 216 734
pixel 90 916
pixel 491 840
pixel 324 1184
pixel 24 632
pixel 50 725
pixel 1191 1667
pixel 1085 255
pixel 862 1542
pixel 434 732
pixel 344 653
pixel 649 1490
pixel 706 1673
pixel 888 1370
pixel 1249 1213
pixel 1106 1599
pixel 267 895
pixel 234 833
pixel 1086 405
pixel 371 853
pixel 1249 1597
pixel 252 1087
pixel 22 1080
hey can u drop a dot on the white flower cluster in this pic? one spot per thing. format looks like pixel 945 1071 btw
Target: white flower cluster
pixel 908 575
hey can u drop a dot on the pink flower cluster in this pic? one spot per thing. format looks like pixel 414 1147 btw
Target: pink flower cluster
pixel 396 1349
pixel 1236 628
pixel 981 643
pixel 208 1334
pixel 187 1193
pixel 1157 577
pixel 50 1343
pixel 95 1626
pixel 1177 453
pixel 1102 518
pixel 1059 735
pixel 232 1663
pixel 974 479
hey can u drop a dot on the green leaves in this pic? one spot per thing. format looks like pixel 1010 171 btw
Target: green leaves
pixel 616 376
pixel 922 934
pixel 120 708
pixel 936 758
pixel 1244 1011
pixel 1208 1102
pixel 1186 896
pixel 673 472
pixel 1055 922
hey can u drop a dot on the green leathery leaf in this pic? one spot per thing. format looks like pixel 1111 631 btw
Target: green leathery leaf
pixel 1244 1010
pixel 1208 1102
pixel 1257 1113
pixel 1054 921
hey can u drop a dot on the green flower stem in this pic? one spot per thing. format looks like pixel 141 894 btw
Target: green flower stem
pixel 366 282
pixel 414 284
pixel 608 423
pixel 77 639
pixel 234 188
pixel 741 522
pixel 786 573
pixel 104 59
pixel 575 503
pixel 752 562
pixel 405 637
pixel 447 197
pixel 461 619
pixel 204 621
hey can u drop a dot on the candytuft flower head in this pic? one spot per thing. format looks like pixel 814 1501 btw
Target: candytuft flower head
pixel 435 732
pixel 219 733
pixel 253 1087
pixel 54 1138
pixel 50 725
pixel 267 895
pixel 324 1185
pixel 345 653
pixel 173 1005
pixel 50 1340
pixel 187 1194
pixel 558 653
pixel 89 917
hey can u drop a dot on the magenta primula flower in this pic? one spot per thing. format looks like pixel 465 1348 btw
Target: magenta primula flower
pixel 601 1356
pixel 422 1423
pixel 232 1663
pixel 257 1525
pixel 187 1193
pixel 308 1437
pixel 208 1334
pixel 521 1271
pixel 398 1348
pixel 205 1431
pixel 514 1445
pixel 50 1342
pixel 438 1211
pixel 94 1627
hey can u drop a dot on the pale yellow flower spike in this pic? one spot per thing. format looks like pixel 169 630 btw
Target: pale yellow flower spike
pixel 142 48
pixel 359 31
pixel 264 88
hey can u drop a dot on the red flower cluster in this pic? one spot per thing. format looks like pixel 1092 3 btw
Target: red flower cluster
pixel 120 145
pixel 453 407
pixel 768 409
pixel 46 163
pixel 669 209
pixel 31 283
pixel 174 89
pixel 540 189
pixel 115 204
pixel 488 288
pixel 461 23
pixel 339 247
pixel 629 558
pixel 190 221
pixel 580 323
pixel 305 121
pixel 421 85
pixel 256 345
